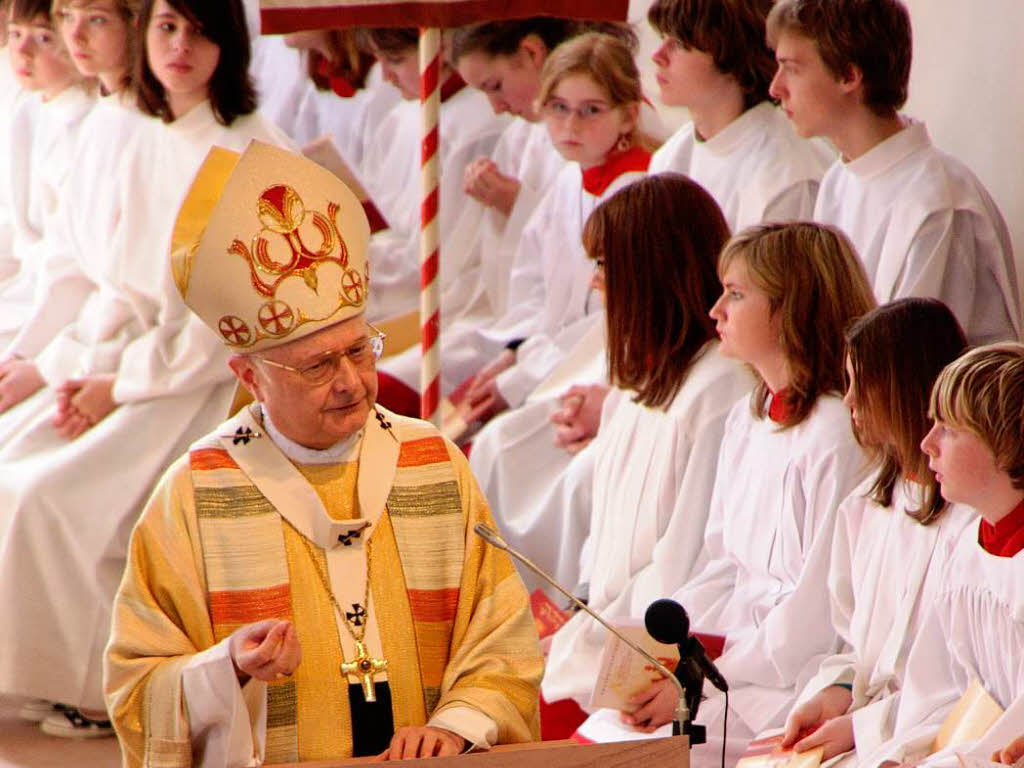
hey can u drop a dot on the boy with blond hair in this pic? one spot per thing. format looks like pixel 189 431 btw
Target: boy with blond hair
pixel 975 630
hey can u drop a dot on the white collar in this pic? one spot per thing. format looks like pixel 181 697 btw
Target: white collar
pixel 343 452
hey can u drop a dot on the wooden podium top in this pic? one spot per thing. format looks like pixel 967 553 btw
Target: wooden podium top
pixel 672 752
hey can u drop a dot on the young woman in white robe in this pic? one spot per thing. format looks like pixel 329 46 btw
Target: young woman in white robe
pixel 974 632
pixel 391 166
pixel 922 222
pixel 38 146
pixel 713 60
pixel 281 85
pixel 591 101
pixel 10 90
pixel 788 459
pixel 100 36
pixel 651 469
pixel 349 99
pixel 130 382
pixel 894 534
pixel 502 60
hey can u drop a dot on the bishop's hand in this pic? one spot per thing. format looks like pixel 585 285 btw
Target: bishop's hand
pixel 266 650
pixel 422 741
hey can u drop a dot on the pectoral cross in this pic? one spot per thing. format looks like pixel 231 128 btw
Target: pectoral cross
pixel 364 668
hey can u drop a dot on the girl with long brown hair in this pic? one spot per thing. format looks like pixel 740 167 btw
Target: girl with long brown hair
pixel 894 534
pixel 643 487
pixel 788 459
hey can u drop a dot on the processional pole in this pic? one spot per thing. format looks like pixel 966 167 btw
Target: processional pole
pixel 430 285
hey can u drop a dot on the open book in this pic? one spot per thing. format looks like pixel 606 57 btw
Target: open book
pixel 970 719
pixel 622 671
pixel 323 152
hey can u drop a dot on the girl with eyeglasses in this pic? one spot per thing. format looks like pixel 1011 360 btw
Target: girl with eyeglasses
pixel 502 60
pixel 132 377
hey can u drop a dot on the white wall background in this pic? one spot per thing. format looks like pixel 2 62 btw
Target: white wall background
pixel 967 84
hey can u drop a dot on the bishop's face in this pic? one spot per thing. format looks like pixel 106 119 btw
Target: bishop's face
pixel 316 414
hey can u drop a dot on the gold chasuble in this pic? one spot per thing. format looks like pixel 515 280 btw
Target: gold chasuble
pixel 212 552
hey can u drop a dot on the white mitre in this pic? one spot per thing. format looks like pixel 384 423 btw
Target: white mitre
pixel 269 247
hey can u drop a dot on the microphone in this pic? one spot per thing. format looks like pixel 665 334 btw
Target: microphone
pixel 667 622
pixel 493 538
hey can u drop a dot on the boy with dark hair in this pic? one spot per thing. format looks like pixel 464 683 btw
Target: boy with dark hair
pixel 713 60
pixel 922 222
pixel 974 633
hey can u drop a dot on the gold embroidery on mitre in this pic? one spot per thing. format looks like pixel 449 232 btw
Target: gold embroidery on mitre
pixel 282 212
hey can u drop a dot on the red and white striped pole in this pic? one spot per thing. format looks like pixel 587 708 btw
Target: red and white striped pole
pixel 430 286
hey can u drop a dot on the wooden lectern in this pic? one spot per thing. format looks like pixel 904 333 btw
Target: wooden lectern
pixel 672 752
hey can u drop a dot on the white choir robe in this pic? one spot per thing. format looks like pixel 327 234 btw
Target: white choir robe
pixel 885 573
pixel 925 226
pixel 551 304
pixel 67 507
pixel 351 122
pixel 768 546
pixel 974 631
pixel 550 298
pixel 476 258
pixel 757 168
pixel 282 84
pixel 651 473
pixel 10 91
pixel 84 220
pixel 391 174
pixel 41 154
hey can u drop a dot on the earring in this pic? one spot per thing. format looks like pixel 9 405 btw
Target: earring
pixel 625 142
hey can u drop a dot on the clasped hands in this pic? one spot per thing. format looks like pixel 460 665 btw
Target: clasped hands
pixel 487 185
pixel 269 650
pixel 577 421
pixel 81 403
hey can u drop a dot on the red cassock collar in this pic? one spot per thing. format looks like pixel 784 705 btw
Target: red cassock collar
pixel 596 180
pixel 1005 538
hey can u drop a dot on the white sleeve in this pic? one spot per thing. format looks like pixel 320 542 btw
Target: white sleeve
pixel 61 291
pixel 951 258
pixel 479 730
pixel 227 721
pixel 795 635
pixel 932 685
pixel 795 203
pixel 678 555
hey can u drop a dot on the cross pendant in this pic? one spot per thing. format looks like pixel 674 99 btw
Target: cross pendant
pixel 364 668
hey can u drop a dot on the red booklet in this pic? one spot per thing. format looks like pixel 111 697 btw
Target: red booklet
pixel 766 752
pixel 547 616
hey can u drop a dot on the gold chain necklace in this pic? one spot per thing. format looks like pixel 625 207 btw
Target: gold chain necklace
pixel 363 666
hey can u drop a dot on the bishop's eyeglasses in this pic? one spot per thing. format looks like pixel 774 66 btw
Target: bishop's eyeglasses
pixel 325 367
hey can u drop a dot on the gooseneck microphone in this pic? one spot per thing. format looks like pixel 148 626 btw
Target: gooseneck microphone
pixel 492 537
pixel 667 622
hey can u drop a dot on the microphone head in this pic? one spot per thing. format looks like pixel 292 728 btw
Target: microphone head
pixel 667 622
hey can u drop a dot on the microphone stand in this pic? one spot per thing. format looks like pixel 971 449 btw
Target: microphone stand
pixel 681 723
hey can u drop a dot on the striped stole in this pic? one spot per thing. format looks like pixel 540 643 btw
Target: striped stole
pixel 247 570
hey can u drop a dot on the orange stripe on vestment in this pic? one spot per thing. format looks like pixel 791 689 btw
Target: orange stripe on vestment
pixel 426 450
pixel 242 606
pixel 211 458
pixel 433 604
